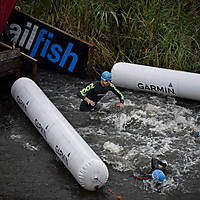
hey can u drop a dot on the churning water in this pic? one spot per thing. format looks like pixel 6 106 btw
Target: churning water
pixel 149 126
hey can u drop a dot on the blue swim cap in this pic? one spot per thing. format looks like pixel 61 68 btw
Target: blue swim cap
pixel 106 75
pixel 158 175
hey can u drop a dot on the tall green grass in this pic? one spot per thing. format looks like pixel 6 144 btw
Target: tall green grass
pixel 162 33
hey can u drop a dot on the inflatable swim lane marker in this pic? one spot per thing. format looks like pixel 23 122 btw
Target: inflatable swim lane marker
pixel 157 80
pixel 68 145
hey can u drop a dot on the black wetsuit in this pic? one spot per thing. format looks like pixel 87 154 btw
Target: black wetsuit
pixel 155 164
pixel 95 91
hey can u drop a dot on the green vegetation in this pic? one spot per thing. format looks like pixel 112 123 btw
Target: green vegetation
pixel 163 33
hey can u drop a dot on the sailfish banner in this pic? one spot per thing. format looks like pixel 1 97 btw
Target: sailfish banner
pixel 52 47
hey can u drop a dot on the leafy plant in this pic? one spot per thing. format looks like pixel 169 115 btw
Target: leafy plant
pixel 162 33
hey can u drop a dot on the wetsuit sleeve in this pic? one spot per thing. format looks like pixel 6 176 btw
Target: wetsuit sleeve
pixel 82 93
pixel 117 92
pixel 155 164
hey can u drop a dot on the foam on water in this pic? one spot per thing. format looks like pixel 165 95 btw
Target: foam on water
pixel 112 148
pixel 16 137
pixel 149 126
pixel 27 145
pixel 31 147
pixel 155 128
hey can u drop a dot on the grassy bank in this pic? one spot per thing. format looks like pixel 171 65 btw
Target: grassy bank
pixel 163 33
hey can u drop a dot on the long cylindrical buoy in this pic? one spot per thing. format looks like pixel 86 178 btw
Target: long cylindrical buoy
pixel 69 146
pixel 158 80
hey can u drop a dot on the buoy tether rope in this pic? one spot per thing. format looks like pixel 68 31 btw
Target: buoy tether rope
pixel 118 197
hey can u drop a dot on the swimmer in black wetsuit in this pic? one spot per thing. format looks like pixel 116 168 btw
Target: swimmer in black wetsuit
pixel 96 90
pixel 158 171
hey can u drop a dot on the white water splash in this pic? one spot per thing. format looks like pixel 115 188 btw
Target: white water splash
pixel 15 137
pixel 31 147
pixel 19 139
pixel 153 129
pixel 112 148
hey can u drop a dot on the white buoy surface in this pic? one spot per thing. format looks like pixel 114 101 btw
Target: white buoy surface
pixel 69 146
pixel 157 80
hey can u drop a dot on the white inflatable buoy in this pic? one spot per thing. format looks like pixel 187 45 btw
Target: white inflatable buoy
pixel 83 163
pixel 157 80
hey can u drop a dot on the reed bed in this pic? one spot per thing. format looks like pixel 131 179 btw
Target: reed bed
pixel 162 33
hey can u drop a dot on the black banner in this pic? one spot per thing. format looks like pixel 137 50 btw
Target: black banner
pixel 52 47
